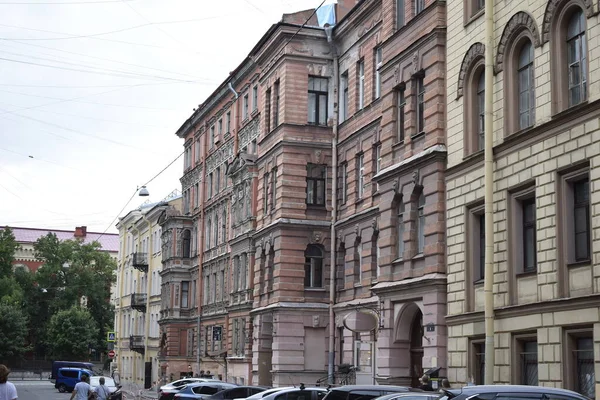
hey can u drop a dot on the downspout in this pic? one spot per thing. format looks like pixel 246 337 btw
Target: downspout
pixel 200 255
pixel 332 237
pixel 489 193
pixel 148 290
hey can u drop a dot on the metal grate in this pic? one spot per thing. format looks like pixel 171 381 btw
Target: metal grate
pixel 584 356
pixel 479 363
pixel 529 364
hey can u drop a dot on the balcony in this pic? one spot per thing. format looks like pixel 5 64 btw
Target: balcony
pixel 138 301
pixel 136 343
pixel 140 261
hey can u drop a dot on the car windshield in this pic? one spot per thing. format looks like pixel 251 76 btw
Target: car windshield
pixel 95 381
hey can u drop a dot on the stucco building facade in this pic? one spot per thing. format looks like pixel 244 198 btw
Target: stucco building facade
pixel 137 298
pixel 546 146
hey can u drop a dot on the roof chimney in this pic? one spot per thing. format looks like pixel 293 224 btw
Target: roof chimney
pixel 80 231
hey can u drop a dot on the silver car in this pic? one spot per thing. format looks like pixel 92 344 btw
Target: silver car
pixel 299 393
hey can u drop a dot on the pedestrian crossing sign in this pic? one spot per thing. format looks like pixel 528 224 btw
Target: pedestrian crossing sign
pixel 111 337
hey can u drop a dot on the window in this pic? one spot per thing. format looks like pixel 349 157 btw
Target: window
pixel 197 150
pixel 317 100
pixel 581 219
pixel 579 361
pixel 186 243
pixel 480 111
pixel 528 359
pixel 399 14
pixel 344 183
pixel 360 175
pixel 315 184
pixel 419 6
pixel 266 193
pixel 526 86
pixel 216 228
pixel 361 84
pixel 276 105
pixel 268 111
pixel 477 361
pixel 205 292
pixel 344 97
pixel 196 195
pixel 400 229
pixel 273 187
pixel 220 126
pixel 210 185
pixel 245 107
pixel 243 271
pixel 218 180
pixel 185 291
pixel 377 160
pixel 208 232
pixel 212 136
pixel 313 266
pixel 255 98
pixel 228 122
pixel 421 224
pixel 377 72
pixel 224 226
pixel 529 235
pixel 577 58
pixel 401 106
pixel 420 105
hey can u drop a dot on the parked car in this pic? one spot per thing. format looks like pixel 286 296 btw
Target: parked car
pixel 108 382
pixel 411 396
pixel 237 392
pixel 67 378
pixel 260 395
pixel 512 392
pixel 299 393
pixel 201 390
pixel 366 392
pixel 65 364
pixel 168 391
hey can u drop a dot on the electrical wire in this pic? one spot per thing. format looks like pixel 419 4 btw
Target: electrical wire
pixel 136 191
pixel 61 2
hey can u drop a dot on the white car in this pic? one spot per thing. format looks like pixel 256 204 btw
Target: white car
pixel 260 395
pixel 108 382
pixel 297 393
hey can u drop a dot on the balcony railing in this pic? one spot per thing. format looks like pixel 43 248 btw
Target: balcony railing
pixel 136 343
pixel 140 261
pixel 138 301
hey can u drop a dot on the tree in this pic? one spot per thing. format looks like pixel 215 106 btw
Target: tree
pixel 13 332
pixel 71 333
pixel 8 246
pixel 75 273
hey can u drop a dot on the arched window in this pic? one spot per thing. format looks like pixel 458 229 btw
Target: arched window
pixel 577 58
pixel 313 266
pixel 421 223
pixel 400 229
pixel 186 243
pixel 480 111
pixel 526 86
pixel 471 84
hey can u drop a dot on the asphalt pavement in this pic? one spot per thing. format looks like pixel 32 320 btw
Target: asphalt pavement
pixel 38 390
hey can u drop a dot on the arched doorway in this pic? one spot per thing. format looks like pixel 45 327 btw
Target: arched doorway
pixel 416 348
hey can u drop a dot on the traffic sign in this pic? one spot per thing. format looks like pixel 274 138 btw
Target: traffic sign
pixel 111 337
pixel 111 354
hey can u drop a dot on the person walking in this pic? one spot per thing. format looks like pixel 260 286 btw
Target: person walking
pixel 82 389
pixel 8 391
pixel 101 390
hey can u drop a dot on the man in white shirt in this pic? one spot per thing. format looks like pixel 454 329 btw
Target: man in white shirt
pixel 82 389
pixel 8 391
pixel 102 392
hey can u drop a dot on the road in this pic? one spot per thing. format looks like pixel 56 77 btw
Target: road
pixel 39 390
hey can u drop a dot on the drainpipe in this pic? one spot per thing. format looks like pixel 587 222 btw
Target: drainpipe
pixel 332 241
pixel 200 253
pixel 148 290
pixel 489 193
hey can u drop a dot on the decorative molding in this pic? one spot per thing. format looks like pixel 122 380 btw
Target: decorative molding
pixel 316 237
pixel 518 23
pixel 476 51
pixel 555 5
pixel 415 62
pixel 416 178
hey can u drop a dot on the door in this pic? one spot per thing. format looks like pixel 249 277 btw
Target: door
pixel 416 349
pixel 148 375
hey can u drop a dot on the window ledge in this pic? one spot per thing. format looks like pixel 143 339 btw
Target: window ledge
pixel 417 135
pixel 569 110
pixel 524 274
pixel 579 263
pixel 316 206
pixel 359 201
pixel 398 260
pixel 479 281
pixel 398 144
pixel 314 289
pixel 419 256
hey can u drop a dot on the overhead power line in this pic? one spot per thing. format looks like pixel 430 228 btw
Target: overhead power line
pixel 44 3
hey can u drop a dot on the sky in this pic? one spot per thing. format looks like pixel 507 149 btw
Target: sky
pixel 93 91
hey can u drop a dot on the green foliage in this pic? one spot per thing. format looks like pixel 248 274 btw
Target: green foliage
pixel 71 333
pixel 13 332
pixel 8 246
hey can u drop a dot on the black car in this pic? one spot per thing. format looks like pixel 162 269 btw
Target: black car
pixel 239 392
pixel 366 392
pixel 511 392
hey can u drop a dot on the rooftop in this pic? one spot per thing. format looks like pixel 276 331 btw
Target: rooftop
pixel 108 241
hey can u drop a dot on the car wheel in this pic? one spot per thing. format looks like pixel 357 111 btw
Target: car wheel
pixel 62 388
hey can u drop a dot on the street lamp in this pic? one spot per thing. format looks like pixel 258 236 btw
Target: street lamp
pixel 143 192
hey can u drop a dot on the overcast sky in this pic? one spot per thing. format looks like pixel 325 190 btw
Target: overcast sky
pixel 93 91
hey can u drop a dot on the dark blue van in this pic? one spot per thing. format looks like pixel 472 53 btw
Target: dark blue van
pixel 67 378
pixel 63 364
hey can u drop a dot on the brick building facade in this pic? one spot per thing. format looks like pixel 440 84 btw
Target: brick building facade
pixel 259 182
pixel 546 147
